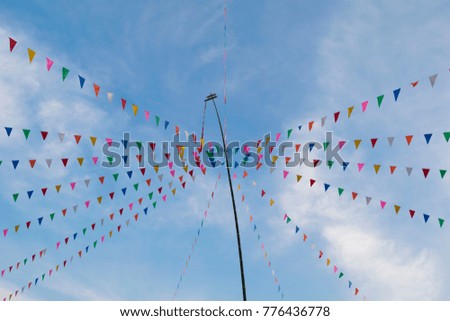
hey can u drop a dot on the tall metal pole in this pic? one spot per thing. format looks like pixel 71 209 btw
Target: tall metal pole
pixel 238 237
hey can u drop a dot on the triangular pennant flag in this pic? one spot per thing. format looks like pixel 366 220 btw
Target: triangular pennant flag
pixel 442 172
pixel 409 139
pixel 115 176
pixel 364 105
pixel 368 199
pixel 8 131
pixel 425 172
pixel 396 208
pixel 15 196
pixel 336 116
pixel 135 109
pixel 427 137
pixel 323 120
pixel 124 103
pixel 441 221
pixel 82 80
pixel 373 141
pixel 65 72
pixel 96 89
pixel 380 100
pixel 325 145
pixel 49 63
pixel 409 170
pixel 80 160
pixel 447 136
pixel 390 140
pixel 26 133
pixel 40 219
pixel 289 132
pixel 360 166
pixel 414 84
pixel 345 165
pixel 357 142
pixel 426 217
pixel 354 195
pixel 15 163
pixel 31 54
pixel 311 182
pixel 396 93
pixel 327 186
pixel 310 125
pixel 299 177
pixel 87 181
pixel 32 162
pixel 61 137
pixel 12 44
pixel 376 167
pixel 271 202
pixel 44 135
pixel 64 161
pixel 285 174
pixel 350 111
pixel 433 79
pixel 166 124
pixel 49 162
pixel 157 120
pixel 340 191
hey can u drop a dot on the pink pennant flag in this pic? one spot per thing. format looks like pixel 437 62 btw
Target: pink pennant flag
pixel 172 172
pixel 335 269
pixel 130 206
pixel 147 115
pixel 109 141
pixel 164 198
pixel 72 185
pixel 278 137
pixel 234 176
pixel 5 231
pixel 285 173
pixel 260 156
pixel 364 105
pixel 383 204
pixel 341 144
pixel 57 245
pixel 95 160
pixel 103 238
pixel 87 203
pixel 360 166
pixel 170 165
pixel 49 63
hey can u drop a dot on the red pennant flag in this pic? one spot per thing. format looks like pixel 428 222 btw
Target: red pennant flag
pixel 311 182
pixel 101 179
pixel 28 224
pixel 263 193
pixel 124 103
pixel 96 89
pixel 93 226
pixel 245 174
pixel 374 141
pixel 136 217
pixel 411 213
pixel 425 172
pixel 77 138
pixel 336 116
pixel 12 44
pixel 64 161
pixel 297 147
pixel 142 171
pixel 64 212
pixel 414 84
pixel 148 181
pixel 310 125
pixel 354 195
pixel 44 135
pixel 409 139
pixel 392 169
pixel 184 184
pixel 111 216
pixel 32 163
pixel 111 195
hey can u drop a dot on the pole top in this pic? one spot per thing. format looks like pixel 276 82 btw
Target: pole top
pixel 211 96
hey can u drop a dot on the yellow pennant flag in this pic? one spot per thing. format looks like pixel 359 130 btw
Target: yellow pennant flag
pixel 357 142
pixel 174 191
pixel 93 140
pixel 299 177
pixel 135 109
pixel 274 158
pixel 328 262
pixel 376 167
pixel 272 202
pixel 239 187
pixel 350 111
pixel 80 160
pixel 397 209
pixel 31 54
pixel 156 168
pixel 99 199
pixel 259 149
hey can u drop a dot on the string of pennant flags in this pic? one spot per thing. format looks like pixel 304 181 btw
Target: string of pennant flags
pixel 196 238
pixel 298 231
pixel 67 261
pixel 100 199
pixel 312 124
pixel 262 246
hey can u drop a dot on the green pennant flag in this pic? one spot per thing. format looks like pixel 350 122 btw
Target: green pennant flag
pixel 289 132
pixel 95 244
pixel 25 261
pixel 340 191
pixel 139 145
pixel 136 186
pixel 325 145
pixel 84 231
pixel 65 72
pixel 52 216
pixel 115 176
pixel 1 162
pixel 441 222
pixel 154 204
pixel 330 163
pixel 380 99
pixel 150 195
pixel 43 277
pixel 447 136
pixel 26 132
pixel 442 171
pixel 110 159
pixel 15 196
pixel 341 275
pixel 288 219
pixel 157 120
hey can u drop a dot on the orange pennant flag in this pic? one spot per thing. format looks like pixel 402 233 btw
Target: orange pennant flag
pixel 409 139
pixel 393 169
pixel 135 109
pixel 310 125
pixel 96 89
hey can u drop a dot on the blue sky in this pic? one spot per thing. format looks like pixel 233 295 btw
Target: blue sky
pixel 287 63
